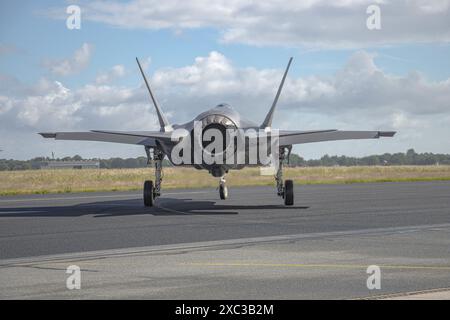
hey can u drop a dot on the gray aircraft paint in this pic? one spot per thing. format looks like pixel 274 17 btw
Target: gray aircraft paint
pixel 223 115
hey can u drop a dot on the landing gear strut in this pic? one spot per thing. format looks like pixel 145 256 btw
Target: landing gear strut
pixel 223 190
pixel 152 191
pixel 285 189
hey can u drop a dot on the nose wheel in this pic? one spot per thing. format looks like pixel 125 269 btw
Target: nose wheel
pixel 223 189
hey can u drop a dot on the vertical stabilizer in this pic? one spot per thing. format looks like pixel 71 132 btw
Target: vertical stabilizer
pixel 165 125
pixel 268 120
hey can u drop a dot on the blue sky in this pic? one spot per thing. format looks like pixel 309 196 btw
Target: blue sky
pixel 25 25
pixel 33 36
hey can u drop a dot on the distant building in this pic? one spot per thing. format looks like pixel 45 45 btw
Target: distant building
pixel 81 164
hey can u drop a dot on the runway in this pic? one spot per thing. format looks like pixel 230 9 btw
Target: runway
pixel 192 245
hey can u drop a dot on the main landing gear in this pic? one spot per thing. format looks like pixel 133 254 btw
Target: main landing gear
pixel 285 189
pixel 152 191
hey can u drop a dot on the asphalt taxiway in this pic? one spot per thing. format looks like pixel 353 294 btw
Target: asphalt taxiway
pixel 192 245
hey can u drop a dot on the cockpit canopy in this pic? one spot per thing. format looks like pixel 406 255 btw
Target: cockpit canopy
pixel 223 105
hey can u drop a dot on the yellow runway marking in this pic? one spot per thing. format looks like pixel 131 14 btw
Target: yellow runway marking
pixel 300 265
pixel 288 265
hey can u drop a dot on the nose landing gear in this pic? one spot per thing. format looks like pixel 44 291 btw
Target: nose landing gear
pixel 223 189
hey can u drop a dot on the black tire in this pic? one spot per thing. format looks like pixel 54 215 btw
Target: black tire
pixel 289 192
pixel 223 191
pixel 148 193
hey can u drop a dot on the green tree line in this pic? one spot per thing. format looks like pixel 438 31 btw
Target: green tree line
pixel 408 158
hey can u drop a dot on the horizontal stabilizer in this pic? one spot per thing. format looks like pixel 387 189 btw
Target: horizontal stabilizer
pixel 48 134
pixel 146 138
pixel 143 134
pixel 301 137
pixel 386 133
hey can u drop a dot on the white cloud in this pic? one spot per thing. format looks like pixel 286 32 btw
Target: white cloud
pixel 5 104
pixel 115 72
pixel 79 60
pixel 359 96
pixel 359 85
pixel 312 23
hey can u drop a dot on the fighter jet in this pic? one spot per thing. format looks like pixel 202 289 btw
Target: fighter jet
pixel 181 141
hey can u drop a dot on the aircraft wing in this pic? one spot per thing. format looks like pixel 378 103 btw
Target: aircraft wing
pixel 145 138
pixel 300 137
